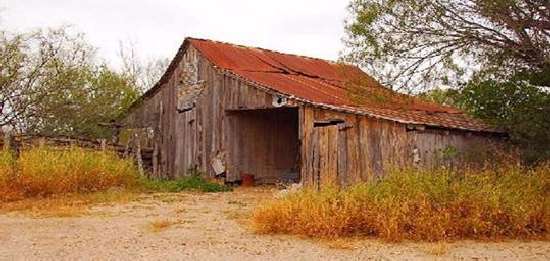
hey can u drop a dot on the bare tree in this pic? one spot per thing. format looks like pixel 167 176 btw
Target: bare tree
pixel 144 72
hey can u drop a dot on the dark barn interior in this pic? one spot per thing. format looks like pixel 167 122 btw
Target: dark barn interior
pixel 267 144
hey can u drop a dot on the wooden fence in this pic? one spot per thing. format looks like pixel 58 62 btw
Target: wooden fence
pixel 142 155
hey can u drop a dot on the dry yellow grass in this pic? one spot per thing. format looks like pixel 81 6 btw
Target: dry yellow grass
pixel 7 168
pixel 46 171
pixel 420 205
pixel 51 181
pixel 160 225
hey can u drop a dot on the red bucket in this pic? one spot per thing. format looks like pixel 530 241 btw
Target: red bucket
pixel 247 180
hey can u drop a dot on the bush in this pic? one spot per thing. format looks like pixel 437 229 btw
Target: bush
pixel 516 106
pixel 418 205
pixel 194 182
pixel 45 171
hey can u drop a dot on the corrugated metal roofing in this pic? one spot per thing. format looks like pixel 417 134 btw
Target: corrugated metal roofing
pixel 330 84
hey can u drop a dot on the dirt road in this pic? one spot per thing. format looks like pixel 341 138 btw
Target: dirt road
pixel 190 226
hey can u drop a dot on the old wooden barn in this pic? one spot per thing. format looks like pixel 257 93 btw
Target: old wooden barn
pixel 230 110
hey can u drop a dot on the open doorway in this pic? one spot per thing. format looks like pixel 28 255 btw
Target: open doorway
pixel 265 144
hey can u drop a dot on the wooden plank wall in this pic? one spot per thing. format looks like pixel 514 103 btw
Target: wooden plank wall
pixel 193 138
pixel 368 146
pixel 364 148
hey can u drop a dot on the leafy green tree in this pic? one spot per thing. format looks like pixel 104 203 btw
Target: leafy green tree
pixel 91 97
pixel 30 65
pixel 518 107
pixel 51 83
pixel 412 43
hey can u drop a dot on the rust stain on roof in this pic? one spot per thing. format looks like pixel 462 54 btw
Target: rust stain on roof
pixel 333 84
pixel 322 83
pixel 309 78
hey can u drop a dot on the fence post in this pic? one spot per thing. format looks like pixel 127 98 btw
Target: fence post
pixel 10 143
pixel 129 141
pixel 41 142
pixel 7 141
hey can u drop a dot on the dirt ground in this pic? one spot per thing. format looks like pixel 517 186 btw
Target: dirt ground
pixel 192 226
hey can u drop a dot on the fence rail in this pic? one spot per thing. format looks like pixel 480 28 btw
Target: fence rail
pixel 22 142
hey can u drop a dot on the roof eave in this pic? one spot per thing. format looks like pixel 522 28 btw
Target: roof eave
pixel 187 42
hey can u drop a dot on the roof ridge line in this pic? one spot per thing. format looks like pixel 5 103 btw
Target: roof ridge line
pixel 270 50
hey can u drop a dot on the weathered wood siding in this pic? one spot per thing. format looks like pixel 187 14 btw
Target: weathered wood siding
pixel 222 125
pixel 191 139
pixel 363 147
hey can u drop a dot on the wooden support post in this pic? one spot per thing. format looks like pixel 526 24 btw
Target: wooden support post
pixel 10 143
pixel 155 157
pixel 139 158
pixel 116 134
pixel 127 147
pixel 103 144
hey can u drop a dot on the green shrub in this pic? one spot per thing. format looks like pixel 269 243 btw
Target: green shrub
pixel 194 182
pixel 420 205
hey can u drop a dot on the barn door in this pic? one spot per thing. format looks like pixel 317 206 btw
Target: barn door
pixel 329 155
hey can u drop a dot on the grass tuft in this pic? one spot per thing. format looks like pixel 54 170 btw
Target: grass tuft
pixel 419 205
pixel 160 225
pixel 188 183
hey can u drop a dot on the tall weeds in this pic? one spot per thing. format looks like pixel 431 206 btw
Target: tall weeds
pixel 7 162
pixel 46 171
pixel 420 205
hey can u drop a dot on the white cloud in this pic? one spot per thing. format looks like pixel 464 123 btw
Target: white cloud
pixel 306 27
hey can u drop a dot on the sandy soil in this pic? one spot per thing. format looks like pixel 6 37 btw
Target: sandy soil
pixel 190 226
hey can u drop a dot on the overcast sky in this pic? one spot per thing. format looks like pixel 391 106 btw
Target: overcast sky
pixel 157 27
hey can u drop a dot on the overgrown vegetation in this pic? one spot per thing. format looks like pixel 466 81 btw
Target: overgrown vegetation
pixel 49 172
pixel 420 205
pixel 517 107
pixel 45 171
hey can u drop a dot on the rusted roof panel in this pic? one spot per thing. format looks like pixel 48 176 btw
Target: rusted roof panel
pixel 329 83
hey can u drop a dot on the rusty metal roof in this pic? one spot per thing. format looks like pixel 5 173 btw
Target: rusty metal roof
pixel 329 84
